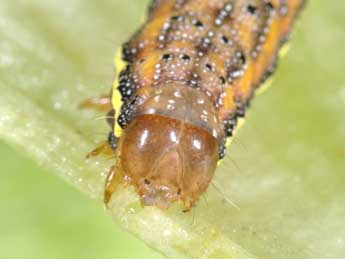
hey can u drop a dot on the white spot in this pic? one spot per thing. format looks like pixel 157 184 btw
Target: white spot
pixel 143 138
pixel 170 107
pixel 197 144
pixel 151 111
pixel 200 101
pixel 178 94
pixel 173 137
pixel 157 98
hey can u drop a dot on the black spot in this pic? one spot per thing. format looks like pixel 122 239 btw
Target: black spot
pixel 185 57
pixel 241 57
pixel 241 112
pixel 248 103
pixel 112 140
pixel 128 111
pixel 222 151
pixel 179 190
pixel 175 18
pixel 198 24
pixel 147 181
pixel 208 67
pixel 222 80
pixel 225 40
pixel 251 9
pixel 205 45
pixel 240 109
pixel 128 52
pixel 269 6
pixel 126 84
pixel 269 72
pixel 229 126
pixel 167 56
pixel 284 40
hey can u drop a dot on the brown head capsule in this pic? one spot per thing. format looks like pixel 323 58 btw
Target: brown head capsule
pixel 167 160
pixel 169 151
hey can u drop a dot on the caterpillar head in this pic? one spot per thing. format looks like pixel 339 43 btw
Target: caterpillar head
pixel 167 160
pixel 169 151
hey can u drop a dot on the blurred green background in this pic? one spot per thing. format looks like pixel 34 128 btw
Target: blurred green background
pixel 43 217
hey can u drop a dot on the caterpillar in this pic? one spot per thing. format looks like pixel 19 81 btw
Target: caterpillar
pixel 188 76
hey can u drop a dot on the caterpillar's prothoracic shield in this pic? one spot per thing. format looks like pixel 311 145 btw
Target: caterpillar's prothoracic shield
pixel 191 72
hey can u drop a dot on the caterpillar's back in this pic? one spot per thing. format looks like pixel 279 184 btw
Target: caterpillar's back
pixel 191 72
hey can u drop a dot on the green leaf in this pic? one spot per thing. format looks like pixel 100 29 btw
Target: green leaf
pixel 284 170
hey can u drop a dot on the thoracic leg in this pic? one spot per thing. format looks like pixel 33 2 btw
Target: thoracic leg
pixel 104 148
pixel 108 147
pixel 111 183
pixel 100 103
